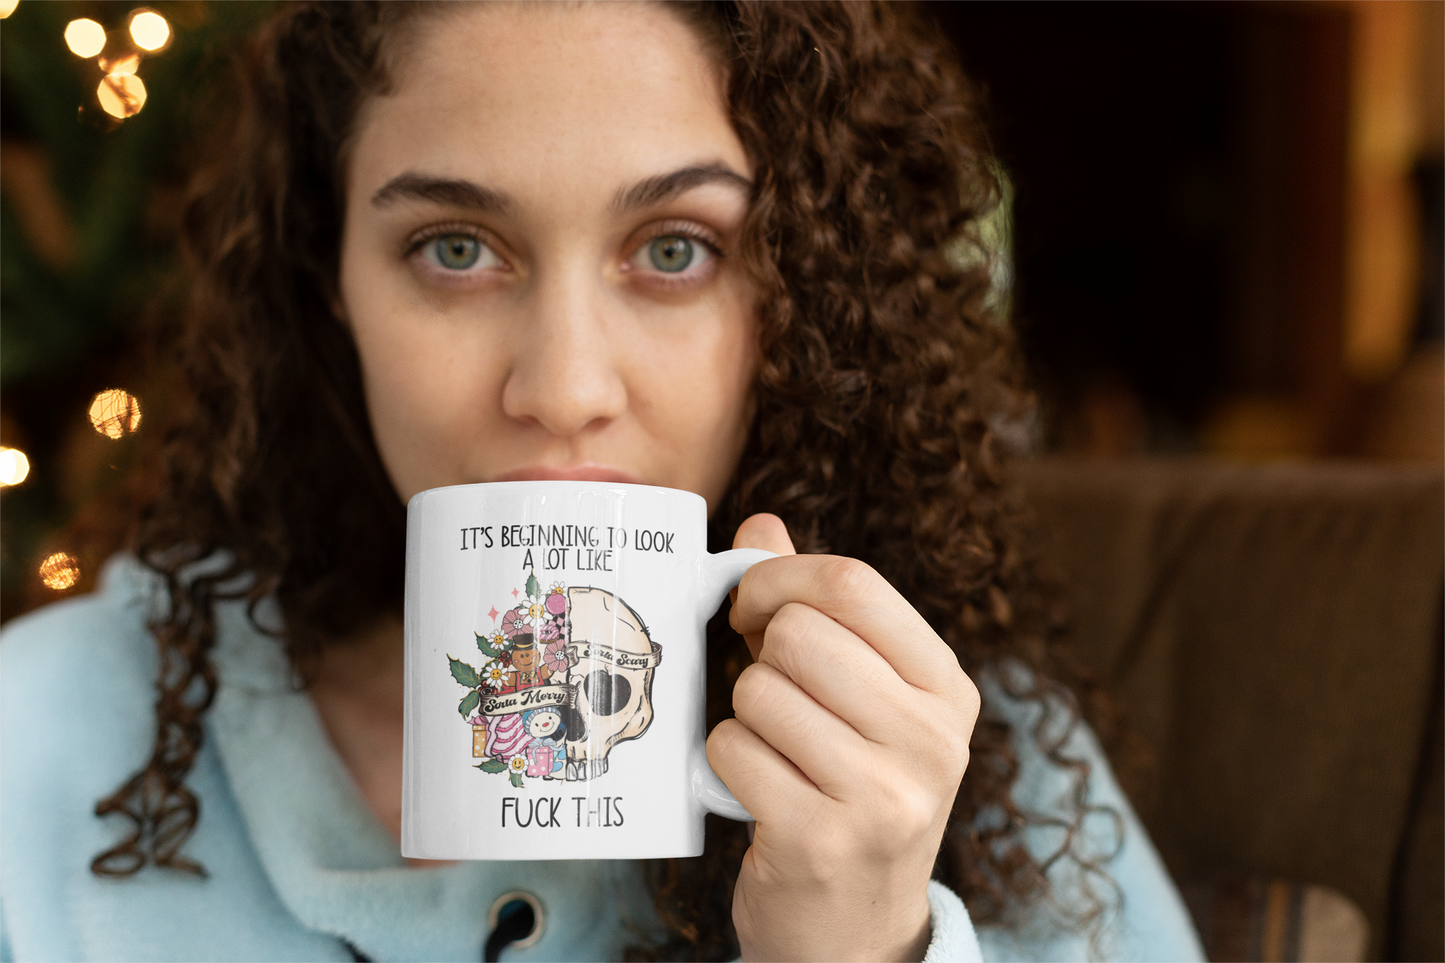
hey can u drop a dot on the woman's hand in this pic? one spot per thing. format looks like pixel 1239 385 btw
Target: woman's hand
pixel 850 739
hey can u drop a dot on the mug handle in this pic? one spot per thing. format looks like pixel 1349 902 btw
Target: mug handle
pixel 720 573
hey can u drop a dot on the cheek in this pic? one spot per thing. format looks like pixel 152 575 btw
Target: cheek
pixel 420 381
pixel 704 394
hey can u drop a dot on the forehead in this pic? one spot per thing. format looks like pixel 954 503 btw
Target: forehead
pixel 541 98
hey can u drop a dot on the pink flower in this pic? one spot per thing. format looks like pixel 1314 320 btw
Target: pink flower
pixel 515 621
pixel 555 657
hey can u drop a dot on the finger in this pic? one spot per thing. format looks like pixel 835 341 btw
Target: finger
pixel 838 670
pixel 768 785
pixel 767 532
pixel 821 745
pixel 860 600
pixel 764 531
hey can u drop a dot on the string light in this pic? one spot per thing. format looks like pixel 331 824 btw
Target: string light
pixel 121 95
pixel 149 30
pixel 14 466
pixel 59 571
pixel 122 66
pixel 113 412
pixel 84 37
pixel 7 7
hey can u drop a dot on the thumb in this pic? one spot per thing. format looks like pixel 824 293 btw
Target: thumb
pixel 766 532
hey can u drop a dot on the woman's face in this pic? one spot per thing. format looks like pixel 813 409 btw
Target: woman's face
pixel 536 263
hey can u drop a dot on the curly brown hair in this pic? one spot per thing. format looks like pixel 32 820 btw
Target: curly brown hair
pixel 883 385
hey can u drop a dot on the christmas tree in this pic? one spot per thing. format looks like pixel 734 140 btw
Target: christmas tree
pixel 102 107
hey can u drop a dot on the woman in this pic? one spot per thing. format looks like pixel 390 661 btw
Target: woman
pixel 723 248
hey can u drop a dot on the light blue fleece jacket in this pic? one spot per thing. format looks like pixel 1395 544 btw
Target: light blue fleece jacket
pixel 299 868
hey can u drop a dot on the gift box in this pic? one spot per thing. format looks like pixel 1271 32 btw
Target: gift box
pixel 541 760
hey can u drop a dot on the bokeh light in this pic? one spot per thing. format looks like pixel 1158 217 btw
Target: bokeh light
pixel 121 95
pixel 59 571
pixel 115 413
pixel 14 466
pixel 149 30
pixel 122 66
pixel 7 7
pixel 85 37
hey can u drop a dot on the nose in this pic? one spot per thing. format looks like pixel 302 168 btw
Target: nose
pixel 564 374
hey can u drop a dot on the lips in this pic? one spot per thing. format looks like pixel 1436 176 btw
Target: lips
pixel 583 472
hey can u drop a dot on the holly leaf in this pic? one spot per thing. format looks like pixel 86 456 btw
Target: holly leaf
pixel 464 673
pixel 469 702
pixel 517 779
pixel 485 644
pixel 492 765
pixel 534 588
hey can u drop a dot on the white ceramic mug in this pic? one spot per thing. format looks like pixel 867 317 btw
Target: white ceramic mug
pixel 556 672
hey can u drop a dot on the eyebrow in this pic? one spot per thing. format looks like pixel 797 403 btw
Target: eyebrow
pixel 664 187
pixel 454 192
pixel 441 190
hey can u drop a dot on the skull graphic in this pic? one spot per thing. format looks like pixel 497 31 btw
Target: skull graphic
pixel 612 660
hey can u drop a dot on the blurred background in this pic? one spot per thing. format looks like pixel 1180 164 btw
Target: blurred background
pixel 1227 221
pixel 1227 246
pixel 101 105
pixel 1227 227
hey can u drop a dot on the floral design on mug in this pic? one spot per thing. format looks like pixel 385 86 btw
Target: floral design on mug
pixel 551 698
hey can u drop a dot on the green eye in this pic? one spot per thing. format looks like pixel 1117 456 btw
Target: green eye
pixel 670 253
pixel 457 251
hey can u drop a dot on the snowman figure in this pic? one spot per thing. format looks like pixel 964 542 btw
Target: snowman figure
pixel 547 752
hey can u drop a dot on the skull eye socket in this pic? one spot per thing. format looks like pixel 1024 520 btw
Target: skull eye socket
pixel 576 725
pixel 606 692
